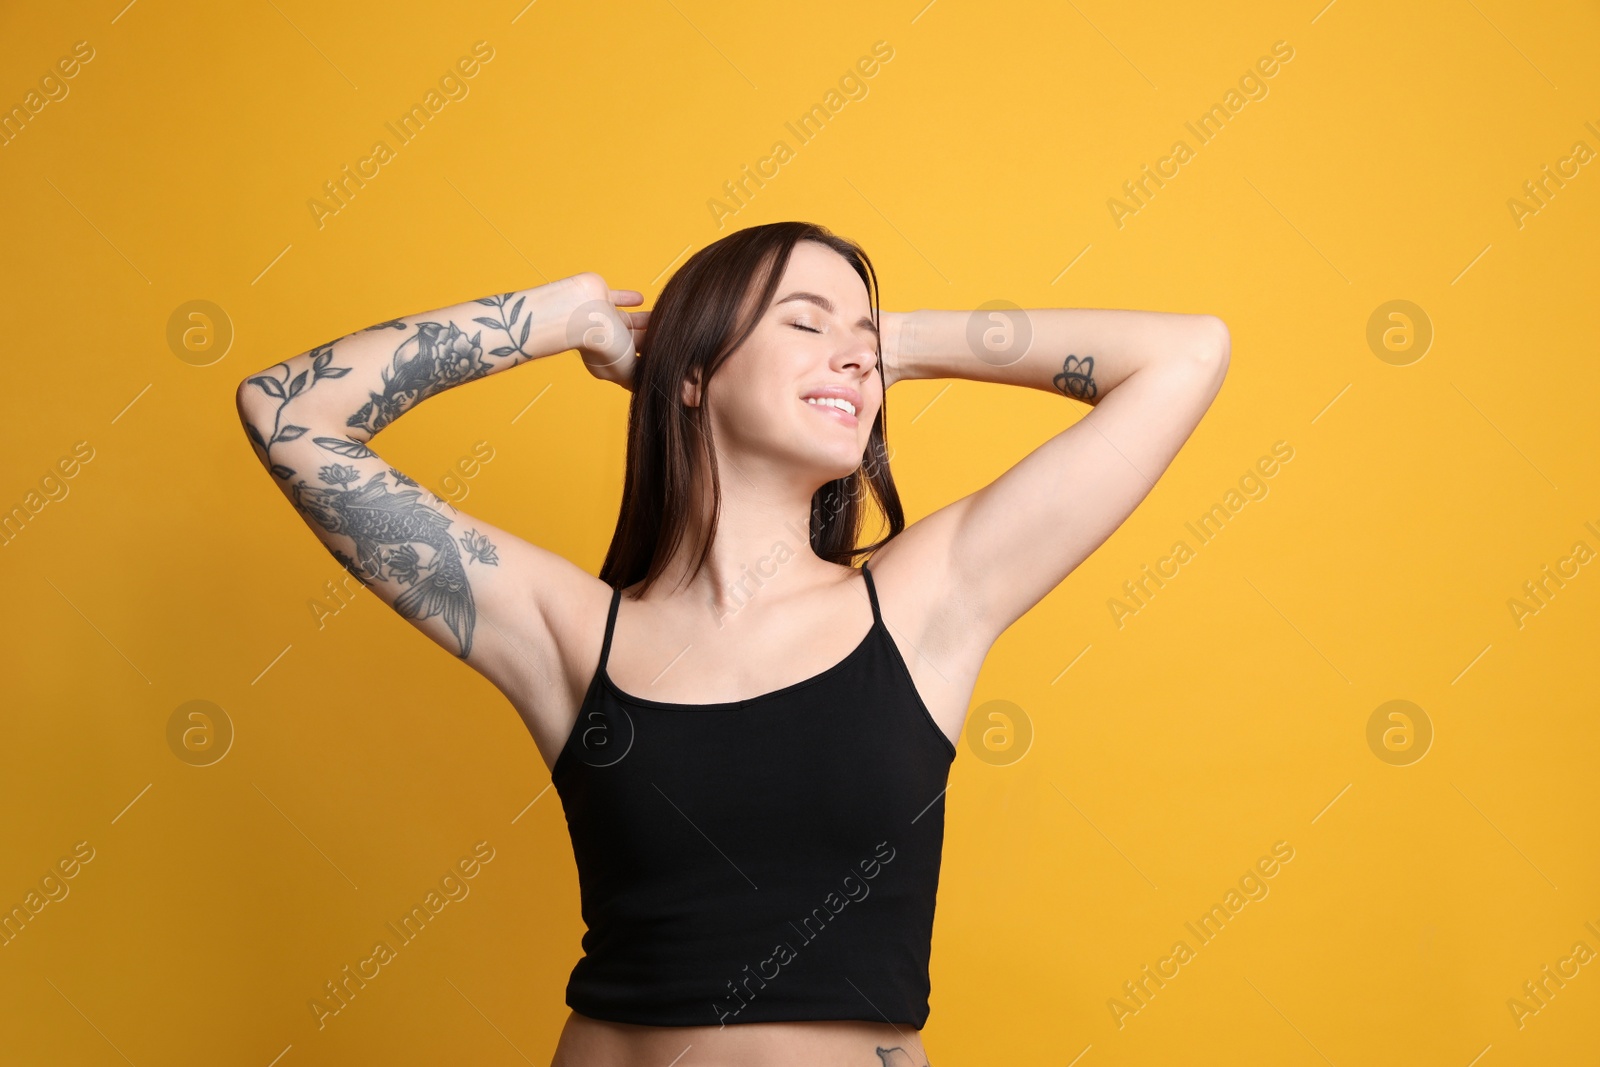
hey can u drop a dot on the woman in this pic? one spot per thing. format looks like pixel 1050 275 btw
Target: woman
pixel 754 788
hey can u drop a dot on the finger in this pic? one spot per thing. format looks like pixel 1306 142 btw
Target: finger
pixel 626 297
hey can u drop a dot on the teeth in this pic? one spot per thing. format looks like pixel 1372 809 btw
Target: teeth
pixel 832 402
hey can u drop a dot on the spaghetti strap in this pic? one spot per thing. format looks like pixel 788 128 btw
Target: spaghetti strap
pixel 872 593
pixel 611 623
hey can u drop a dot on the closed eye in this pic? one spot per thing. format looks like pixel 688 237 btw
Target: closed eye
pixel 808 329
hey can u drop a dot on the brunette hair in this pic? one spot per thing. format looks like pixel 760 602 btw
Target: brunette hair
pixel 704 313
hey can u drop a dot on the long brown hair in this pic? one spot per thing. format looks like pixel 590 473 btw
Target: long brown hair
pixel 703 315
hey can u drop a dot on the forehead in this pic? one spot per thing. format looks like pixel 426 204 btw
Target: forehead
pixel 819 269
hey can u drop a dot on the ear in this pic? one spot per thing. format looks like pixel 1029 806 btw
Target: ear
pixel 691 389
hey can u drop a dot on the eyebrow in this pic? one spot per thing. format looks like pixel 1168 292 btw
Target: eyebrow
pixel 865 322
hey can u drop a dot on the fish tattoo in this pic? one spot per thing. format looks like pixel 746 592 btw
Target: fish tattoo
pixel 388 525
pixel 385 527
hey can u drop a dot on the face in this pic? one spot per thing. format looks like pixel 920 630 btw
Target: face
pixel 803 345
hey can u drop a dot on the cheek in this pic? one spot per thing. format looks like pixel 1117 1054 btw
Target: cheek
pixel 748 410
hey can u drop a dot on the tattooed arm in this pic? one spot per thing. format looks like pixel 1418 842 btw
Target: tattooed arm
pixel 311 417
pixel 1147 376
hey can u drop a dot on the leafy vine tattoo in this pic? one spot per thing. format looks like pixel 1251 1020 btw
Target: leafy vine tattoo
pixel 504 324
pixel 286 389
pixel 386 526
pixel 896 1057
pixel 1077 378
pixel 439 356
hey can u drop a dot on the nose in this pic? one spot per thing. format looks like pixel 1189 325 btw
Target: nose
pixel 861 354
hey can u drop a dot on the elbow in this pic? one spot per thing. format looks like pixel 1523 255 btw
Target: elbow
pixel 261 393
pixel 242 405
pixel 243 398
pixel 1215 345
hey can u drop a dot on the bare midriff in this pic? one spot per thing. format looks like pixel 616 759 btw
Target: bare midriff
pixel 587 1042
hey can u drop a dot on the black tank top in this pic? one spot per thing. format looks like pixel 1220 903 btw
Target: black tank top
pixel 767 859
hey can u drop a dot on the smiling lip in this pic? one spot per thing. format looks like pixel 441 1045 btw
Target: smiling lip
pixel 836 392
pixel 840 414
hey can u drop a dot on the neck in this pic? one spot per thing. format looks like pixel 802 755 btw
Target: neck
pixel 761 549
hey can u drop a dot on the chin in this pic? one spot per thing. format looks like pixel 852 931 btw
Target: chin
pixel 832 468
pixel 828 461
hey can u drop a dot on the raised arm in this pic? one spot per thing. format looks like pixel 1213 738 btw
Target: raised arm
pixel 1148 377
pixel 480 592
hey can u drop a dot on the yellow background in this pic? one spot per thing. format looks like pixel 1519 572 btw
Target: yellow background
pixel 1230 713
